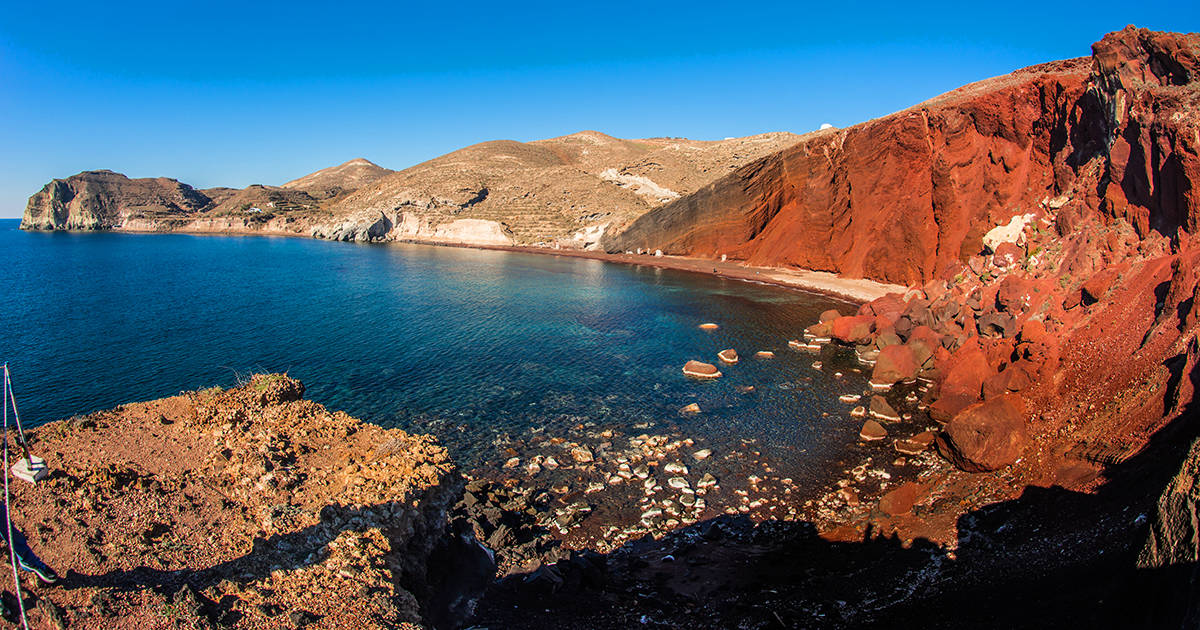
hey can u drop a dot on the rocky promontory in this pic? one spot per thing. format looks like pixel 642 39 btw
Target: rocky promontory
pixel 247 507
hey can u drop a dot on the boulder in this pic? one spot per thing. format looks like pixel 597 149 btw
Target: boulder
pixel 872 431
pixel 709 326
pixel 1097 286
pixel 689 409
pixel 1002 325
pixel 919 313
pixel 1016 377
pixel 1015 294
pixel 823 330
pixel 923 342
pixel 852 329
pixel 987 435
pixel 887 338
pixel 962 382
pixel 697 369
pixel 728 356
pixel 892 303
pixel 582 454
pixel 894 364
pixel 829 315
pixel 882 410
pixel 764 354
pixel 901 500
pixel 946 311
pixel 1007 255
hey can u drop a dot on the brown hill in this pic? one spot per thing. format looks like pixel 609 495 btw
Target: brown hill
pixel 335 180
pixel 565 190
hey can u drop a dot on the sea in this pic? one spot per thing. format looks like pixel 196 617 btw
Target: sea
pixel 477 347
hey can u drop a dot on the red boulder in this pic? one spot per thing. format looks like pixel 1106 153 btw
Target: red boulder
pixel 853 328
pixel 894 364
pixel 962 381
pixel 901 500
pixel 987 435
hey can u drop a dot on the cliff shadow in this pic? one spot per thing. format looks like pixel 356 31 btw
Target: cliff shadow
pixel 1051 557
pixel 457 570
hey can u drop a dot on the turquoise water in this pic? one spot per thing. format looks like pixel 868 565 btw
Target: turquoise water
pixel 469 345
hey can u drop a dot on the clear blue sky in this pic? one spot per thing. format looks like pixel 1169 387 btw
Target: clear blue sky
pixel 218 93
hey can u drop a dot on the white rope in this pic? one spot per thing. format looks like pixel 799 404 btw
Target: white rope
pixel 12 548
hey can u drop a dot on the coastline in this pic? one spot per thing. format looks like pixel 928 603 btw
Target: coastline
pixel 854 290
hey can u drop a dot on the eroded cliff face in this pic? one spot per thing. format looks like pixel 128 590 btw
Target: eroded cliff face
pixel 99 200
pixel 904 198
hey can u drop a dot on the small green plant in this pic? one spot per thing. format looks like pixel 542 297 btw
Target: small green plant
pixel 266 380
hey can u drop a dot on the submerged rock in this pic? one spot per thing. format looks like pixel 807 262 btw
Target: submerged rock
pixel 697 369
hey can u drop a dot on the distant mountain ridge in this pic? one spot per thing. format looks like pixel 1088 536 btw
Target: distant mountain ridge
pixel 565 191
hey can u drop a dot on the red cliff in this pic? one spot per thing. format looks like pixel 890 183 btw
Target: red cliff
pixel 906 197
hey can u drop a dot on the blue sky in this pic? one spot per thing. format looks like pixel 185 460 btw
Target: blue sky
pixel 231 94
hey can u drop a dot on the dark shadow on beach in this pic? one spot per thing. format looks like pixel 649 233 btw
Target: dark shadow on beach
pixel 1051 558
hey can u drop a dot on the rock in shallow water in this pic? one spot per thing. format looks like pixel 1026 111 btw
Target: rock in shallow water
pixel 698 369
pixel 872 431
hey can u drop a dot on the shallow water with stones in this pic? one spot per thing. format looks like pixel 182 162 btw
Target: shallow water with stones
pixel 499 354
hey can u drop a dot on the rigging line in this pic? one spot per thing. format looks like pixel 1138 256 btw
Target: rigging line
pixel 20 429
pixel 12 549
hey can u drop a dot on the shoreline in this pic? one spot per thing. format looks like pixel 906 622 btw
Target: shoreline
pixel 857 290
pixel 854 290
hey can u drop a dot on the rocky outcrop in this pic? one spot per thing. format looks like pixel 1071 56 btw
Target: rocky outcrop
pixel 101 200
pixel 907 197
pixel 247 507
pixel 1174 540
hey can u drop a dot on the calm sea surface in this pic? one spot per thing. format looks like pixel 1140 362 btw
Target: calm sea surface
pixel 469 345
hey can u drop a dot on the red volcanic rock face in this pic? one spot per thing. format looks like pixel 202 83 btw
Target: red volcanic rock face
pixel 907 198
pixel 986 436
pixel 897 199
pixel 1154 162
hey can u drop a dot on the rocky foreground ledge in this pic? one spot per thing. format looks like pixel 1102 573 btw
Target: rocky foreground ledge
pixel 248 507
